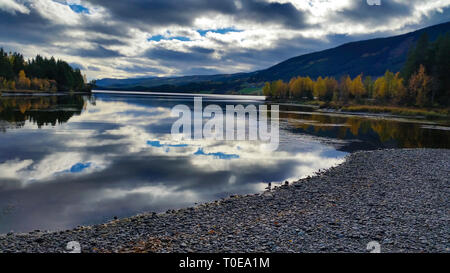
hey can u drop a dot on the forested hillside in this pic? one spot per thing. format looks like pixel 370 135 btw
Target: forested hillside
pixel 39 74
pixel 371 58
pixel 423 81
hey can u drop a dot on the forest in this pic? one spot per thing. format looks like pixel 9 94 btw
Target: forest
pixel 39 74
pixel 423 82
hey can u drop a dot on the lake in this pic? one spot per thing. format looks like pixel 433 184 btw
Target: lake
pixel 72 160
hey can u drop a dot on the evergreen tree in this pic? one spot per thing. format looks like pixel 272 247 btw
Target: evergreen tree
pixel 418 55
pixel 6 69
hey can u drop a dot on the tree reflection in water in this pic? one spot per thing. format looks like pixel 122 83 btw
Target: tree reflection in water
pixel 40 110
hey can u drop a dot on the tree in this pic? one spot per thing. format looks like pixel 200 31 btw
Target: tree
pixel 307 88
pixel 380 89
pixel 401 94
pixel 332 87
pixel 23 82
pixel 295 88
pixel 42 71
pixel 6 69
pixel 267 90
pixel 280 89
pixel 17 62
pixel 420 84
pixel 357 88
pixel 417 56
pixel 320 88
pixel 385 87
pixel 344 88
pixel 441 86
pixel 369 86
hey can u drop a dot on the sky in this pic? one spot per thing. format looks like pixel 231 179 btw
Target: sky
pixel 141 38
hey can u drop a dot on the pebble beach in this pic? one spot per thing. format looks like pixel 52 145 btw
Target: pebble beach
pixel 397 198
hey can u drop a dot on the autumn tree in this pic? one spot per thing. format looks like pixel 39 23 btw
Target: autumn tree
pixel 332 87
pixel 357 89
pixel 23 82
pixel 420 85
pixel 267 90
pixel 320 88
pixel 344 89
pixel 40 69
pixel 399 90
pixel 379 89
pixel 307 88
pixel 295 88
pixel 369 86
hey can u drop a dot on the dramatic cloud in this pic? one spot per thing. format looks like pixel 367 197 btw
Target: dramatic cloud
pixel 112 38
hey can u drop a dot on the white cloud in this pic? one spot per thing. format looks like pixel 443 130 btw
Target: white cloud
pixel 259 43
pixel 12 6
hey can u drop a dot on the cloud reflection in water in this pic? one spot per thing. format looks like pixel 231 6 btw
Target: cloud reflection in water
pixel 117 158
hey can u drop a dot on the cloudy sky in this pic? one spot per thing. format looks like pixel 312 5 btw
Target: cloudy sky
pixel 134 38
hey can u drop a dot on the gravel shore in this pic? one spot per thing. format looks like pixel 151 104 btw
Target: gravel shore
pixel 399 198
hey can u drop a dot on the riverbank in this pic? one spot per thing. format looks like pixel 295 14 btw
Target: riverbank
pixel 379 110
pixel 41 93
pixel 399 198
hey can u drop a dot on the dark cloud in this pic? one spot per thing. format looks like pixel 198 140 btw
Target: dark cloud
pixel 281 50
pixel 97 52
pixel 29 28
pixel 202 50
pixel 143 13
pixel 164 12
pixel 201 71
pixel 107 42
pixel 273 12
pixel 138 69
pixel 77 65
pixel 106 34
pixel 93 68
pixel 361 12
pixel 197 56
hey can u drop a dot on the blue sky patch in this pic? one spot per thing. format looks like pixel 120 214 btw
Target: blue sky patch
pixel 79 167
pixel 79 8
pixel 157 144
pixel 158 38
pixel 218 155
pixel 220 30
pixel 154 143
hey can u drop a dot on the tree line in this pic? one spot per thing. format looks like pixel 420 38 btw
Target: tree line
pixel 423 81
pixel 40 73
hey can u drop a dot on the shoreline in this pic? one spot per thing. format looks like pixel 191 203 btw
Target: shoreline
pixel 41 93
pixel 374 110
pixel 399 198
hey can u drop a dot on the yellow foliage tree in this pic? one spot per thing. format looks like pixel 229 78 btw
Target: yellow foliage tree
pixel 36 84
pixel 320 88
pixel 357 88
pixel 295 87
pixel 344 88
pixel 267 90
pixel 420 84
pixel 23 82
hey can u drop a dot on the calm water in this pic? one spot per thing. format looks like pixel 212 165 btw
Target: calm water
pixel 74 160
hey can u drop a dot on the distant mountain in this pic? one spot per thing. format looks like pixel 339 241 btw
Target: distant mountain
pixel 370 57
pixel 166 81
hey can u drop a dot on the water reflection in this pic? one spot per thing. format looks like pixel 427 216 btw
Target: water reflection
pixel 74 160
pixel 370 133
pixel 40 110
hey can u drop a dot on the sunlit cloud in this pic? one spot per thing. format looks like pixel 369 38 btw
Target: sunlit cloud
pixel 120 39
